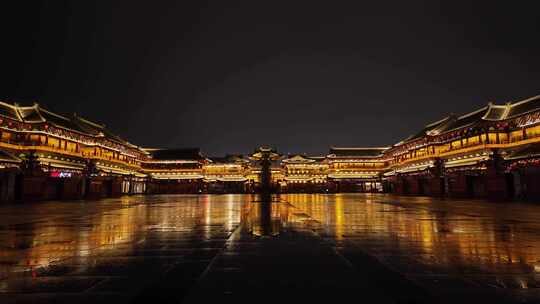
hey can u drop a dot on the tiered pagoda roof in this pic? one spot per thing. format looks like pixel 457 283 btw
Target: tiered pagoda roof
pixel 265 152
pixel 9 111
pixel 449 124
pixel 36 114
pixel 496 112
pixel 37 117
pixel 491 112
pixel 523 107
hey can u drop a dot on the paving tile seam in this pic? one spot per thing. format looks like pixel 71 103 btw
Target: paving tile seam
pixel 329 242
pixel 491 254
pixel 212 262
pixel 341 257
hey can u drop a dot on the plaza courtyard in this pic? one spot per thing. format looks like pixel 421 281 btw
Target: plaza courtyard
pixel 244 248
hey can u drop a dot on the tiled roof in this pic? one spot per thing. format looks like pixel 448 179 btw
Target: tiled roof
pixel 298 158
pixel 59 120
pixel 9 111
pixel 496 112
pixel 228 159
pixel 524 106
pixel 37 114
pixel 466 120
pixel 30 114
pixel 453 122
pixel 432 129
pixel 356 152
pixel 176 154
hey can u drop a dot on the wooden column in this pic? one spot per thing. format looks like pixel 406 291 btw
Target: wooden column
pixel 496 185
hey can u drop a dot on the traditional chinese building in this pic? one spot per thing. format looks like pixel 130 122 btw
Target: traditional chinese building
pixel 485 153
pixel 493 151
pixel 175 170
pixel 304 174
pixel 265 173
pixel 227 174
pixel 356 169
pixel 62 157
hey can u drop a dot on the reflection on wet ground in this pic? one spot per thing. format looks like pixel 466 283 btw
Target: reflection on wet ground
pixel 195 248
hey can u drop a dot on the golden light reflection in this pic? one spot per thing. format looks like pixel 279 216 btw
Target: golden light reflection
pixel 340 217
pixel 446 235
pixel 266 216
pixel 473 235
pixel 36 236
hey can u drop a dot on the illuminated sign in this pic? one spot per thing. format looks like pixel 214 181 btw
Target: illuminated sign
pixel 60 174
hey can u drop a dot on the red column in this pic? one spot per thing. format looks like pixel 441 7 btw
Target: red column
pixel 400 185
pixel 496 186
pixel 33 188
pixel 72 188
pixel 457 185
pixel 413 185
pixel 435 185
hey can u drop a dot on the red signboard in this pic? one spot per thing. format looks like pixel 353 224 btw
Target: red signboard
pixel 60 174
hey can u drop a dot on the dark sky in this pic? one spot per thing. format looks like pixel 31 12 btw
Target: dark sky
pixel 228 77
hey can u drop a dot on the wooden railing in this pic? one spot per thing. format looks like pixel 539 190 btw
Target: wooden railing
pixel 38 147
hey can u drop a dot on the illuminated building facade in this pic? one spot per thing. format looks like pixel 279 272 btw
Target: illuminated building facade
pixel 174 170
pixel 304 174
pixel 266 177
pixel 50 156
pixel 227 174
pixel 356 169
pixel 491 152
pixel 486 153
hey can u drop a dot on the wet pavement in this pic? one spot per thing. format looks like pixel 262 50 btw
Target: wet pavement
pixel 310 248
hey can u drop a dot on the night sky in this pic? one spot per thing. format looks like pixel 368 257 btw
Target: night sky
pixel 301 77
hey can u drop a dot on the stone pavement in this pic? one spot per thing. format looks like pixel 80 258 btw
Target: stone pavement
pixel 108 251
pixel 295 265
pixel 309 248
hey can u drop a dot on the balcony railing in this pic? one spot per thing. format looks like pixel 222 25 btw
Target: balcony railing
pixel 30 145
pixel 466 147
